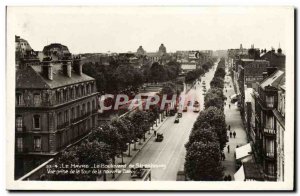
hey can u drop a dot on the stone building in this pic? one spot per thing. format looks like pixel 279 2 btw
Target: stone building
pixel 56 106
pixel 266 129
pixel 276 59
pixel 279 114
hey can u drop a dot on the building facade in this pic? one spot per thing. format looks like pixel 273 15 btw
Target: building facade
pixel 266 102
pixel 279 114
pixel 276 59
pixel 56 106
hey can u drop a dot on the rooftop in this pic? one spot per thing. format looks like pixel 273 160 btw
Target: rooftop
pixel 275 80
pixel 31 77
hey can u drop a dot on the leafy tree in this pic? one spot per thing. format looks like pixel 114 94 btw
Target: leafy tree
pixel 67 158
pixel 157 73
pixel 93 152
pixel 202 134
pixel 213 99
pixel 125 129
pixel 220 72
pixel 203 163
pixel 216 119
pixel 217 82
pixel 141 123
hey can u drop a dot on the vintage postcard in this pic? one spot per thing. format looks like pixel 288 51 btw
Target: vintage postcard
pixel 150 98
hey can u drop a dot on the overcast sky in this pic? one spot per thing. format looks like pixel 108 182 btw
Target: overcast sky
pixel 116 29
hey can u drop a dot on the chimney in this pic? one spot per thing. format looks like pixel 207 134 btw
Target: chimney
pixel 77 66
pixel 47 69
pixel 279 51
pixel 67 68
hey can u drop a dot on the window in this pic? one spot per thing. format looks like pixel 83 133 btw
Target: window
pixel 88 107
pixel 19 144
pixel 82 90
pixel 65 95
pixel 93 105
pixel 37 143
pixel 70 90
pixel 59 119
pixel 270 101
pixel 78 111
pixel 269 122
pixel 92 87
pixel 19 123
pixel 72 114
pixel 36 122
pixel 87 89
pixel 83 109
pixel 66 116
pixel 270 147
pixel 58 98
pixel 77 92
pixel 36 99
pixel 19 99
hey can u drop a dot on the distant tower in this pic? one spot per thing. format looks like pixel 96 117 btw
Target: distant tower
pixel 279 50
pixel 162 50
pixel 140 51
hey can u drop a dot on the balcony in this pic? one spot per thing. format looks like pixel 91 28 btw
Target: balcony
pixel 84 116
pixel 270 104
pixel 270 155
pixel 62 126
pixel 269 131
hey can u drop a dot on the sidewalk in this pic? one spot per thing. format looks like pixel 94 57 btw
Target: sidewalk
pixel 133 153
pixel 233 119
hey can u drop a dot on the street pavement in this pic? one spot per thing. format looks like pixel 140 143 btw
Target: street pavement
pixel 233 118
pixel 169 155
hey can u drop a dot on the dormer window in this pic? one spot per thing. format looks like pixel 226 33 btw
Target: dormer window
pixel 19 99
pixel 36 99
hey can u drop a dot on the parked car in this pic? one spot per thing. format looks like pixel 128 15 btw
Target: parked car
pixel 159 137
pixel 179 114
pixel 176 120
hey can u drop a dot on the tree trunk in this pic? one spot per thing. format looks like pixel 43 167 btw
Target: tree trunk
pixel 129 149
pixel 134 145
pixel 114 162
pixel 122 158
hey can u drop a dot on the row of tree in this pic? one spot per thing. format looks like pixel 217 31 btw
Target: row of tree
pixel 191 76
pixel 106 142
pixel 116 76
pixel 208 136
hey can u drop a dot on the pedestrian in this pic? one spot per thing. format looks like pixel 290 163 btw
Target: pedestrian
pixel 229 177
pixel 154 132
pixel 230 134
pixel 234 134
pixel 224 102
pixel 228 148
pixel 229 127
pixel 226 90
pixel 223 156
pixel 229 106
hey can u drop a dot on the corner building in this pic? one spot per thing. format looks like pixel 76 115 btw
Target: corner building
pixel 56 106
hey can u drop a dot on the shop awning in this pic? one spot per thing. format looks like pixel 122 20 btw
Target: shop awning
pixel 243 153
pixel 240 174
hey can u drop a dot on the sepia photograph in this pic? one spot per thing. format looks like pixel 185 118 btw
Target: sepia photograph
pixel 150 98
